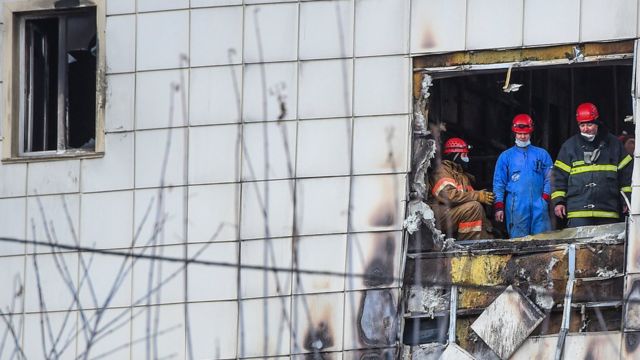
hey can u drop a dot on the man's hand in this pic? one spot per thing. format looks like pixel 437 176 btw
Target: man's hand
pixel 561 211
pixel 499 215
pixel 485 197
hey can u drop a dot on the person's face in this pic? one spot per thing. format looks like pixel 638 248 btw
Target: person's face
pixel 588 128
pixel 630 146
pixel 523 137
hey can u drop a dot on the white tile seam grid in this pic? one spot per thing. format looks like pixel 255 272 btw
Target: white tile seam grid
pixel 135 150
pixel 239 346
pixel 348 242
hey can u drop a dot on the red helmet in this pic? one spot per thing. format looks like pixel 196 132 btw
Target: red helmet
pixel 522 124
pixel 586 112
pixel 456 145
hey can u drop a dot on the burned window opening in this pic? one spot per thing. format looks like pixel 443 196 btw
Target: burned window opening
pixel 472 103
pixel 476 107
pixel 59 80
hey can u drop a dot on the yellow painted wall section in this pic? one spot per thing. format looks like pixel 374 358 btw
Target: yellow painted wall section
pixel 478 270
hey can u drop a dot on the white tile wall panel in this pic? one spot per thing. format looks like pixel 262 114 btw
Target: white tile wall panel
pixel 61 326
pixel 52 177
pixel 170 328
pixel 119 110
pixel 216 36
pixel 158 282
pixel 13 344
pixel 320 253
pixel 325 88
pixel 105 281
pixel 120 7
pixel 113 335
pixel 494 23
pixel 377 202
pixel 53 218
pixel 206 3
pixel 107 220
pixel 382 27
pixel 213 282
pixel 160 157
pixel 270 32
pixel 268 253
pixel 120 43
pixel 316 319
pixel 264 323
pixel 13 179
pixel 12 225
pixel 276 199
pixel 215 95
pixel 608 20
pixel 213 329
pixel 12 278
pixel 325 355
pixel 56 277
pixel 322 205
pixel 213 212
pixel 380 144
pixel 263 99
pixel 326 29
pixel 437 25
pixel 155 5
pixel 214 154
pixel 162 98
pixel 159 216
pixel 551 22
pixel 382 85
pixel 324 147
pixel 251 2
pixel 378 254
pixel 162 40
pixel 114 171
pixel 269 151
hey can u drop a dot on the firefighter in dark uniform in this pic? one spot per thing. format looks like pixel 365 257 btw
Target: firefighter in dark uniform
pixel 457 206
pixel 591 170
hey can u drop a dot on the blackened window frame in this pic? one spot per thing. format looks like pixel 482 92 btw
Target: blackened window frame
pixel 16 125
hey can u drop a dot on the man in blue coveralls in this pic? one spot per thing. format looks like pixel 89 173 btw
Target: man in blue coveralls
pixel 521 183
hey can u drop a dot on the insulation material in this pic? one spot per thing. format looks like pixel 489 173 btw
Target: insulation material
pixel 507 322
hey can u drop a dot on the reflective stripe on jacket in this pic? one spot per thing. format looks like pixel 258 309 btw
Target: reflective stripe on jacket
pixel 591 190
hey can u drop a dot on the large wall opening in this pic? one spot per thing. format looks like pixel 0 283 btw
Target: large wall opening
pixel 476 107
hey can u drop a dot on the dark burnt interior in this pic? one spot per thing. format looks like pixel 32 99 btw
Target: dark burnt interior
pixel 474 106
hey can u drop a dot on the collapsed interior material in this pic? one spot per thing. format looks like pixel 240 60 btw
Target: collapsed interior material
pixel 474 106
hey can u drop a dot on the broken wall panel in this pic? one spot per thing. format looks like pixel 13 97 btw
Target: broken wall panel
pixel 577 346
pixel 507 322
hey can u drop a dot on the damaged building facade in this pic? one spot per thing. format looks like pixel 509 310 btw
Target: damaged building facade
pixel 230 179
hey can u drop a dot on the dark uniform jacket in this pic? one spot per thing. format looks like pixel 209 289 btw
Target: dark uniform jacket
pixel 589 186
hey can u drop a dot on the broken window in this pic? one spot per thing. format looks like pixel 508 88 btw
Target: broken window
pixel 54 71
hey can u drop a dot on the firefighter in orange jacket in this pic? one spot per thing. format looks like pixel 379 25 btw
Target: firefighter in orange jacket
pixel 457 206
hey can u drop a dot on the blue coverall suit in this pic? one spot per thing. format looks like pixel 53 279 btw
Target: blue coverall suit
pixel 520 179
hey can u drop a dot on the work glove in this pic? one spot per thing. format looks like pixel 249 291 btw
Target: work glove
pixel 485 197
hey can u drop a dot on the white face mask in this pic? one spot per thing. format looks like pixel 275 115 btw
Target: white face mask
pixel 523 143
pixel 462 157
pixel 588 137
